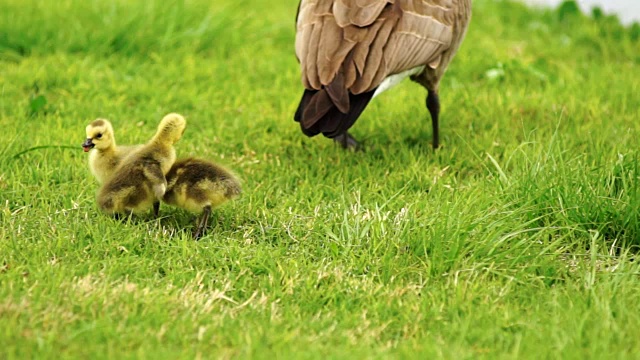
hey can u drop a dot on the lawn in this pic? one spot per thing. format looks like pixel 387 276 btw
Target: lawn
pixel 518 238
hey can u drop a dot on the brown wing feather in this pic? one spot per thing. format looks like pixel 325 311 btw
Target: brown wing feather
pixel 375 68
pixel 311 57
pixel 331 53
pixel 360 13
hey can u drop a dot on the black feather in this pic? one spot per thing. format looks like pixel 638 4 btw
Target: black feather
pixel 317 116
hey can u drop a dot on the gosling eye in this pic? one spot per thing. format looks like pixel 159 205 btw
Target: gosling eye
pixel 99 136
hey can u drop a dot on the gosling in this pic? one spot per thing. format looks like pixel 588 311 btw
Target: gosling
pixel 139 183
pixel 105 156
pixel 198 186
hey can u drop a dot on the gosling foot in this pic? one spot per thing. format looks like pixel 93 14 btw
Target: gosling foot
pixel 202 224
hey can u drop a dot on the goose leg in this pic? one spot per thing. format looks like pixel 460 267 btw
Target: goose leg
pixel 347 141
pixel 202 223
pixel 433 105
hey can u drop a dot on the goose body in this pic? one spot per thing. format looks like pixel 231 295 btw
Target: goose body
pixel 352 50
pixel 199 186
pixel 104 154
pixel 138 182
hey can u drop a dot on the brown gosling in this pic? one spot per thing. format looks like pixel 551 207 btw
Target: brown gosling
pixel 352 50
pixel 198 186
pixel 139 183
pixel 105 155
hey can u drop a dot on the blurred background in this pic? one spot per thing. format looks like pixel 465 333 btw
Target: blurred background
pixel 627 10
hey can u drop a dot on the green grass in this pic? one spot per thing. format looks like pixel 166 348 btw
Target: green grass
pixel 518 239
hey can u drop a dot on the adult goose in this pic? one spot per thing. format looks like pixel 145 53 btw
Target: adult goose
pixel 351 50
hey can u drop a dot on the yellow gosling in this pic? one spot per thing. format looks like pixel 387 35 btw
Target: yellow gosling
pixel 198 186
pixel 105 155
pixel 139 183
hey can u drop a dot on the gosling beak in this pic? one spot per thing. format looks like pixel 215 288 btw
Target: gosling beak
pixel 88 145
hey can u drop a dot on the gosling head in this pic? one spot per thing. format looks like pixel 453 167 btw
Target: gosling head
pixel 171 128
pixel 99 135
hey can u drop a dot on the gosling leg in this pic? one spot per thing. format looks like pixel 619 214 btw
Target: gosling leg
pixel 122 216
pixel 156 209
pixel 433 105
pixel 202 223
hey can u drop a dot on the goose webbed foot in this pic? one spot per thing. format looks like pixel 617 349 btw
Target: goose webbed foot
pixel 346 141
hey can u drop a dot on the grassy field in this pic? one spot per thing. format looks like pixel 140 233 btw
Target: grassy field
pixel 517 239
